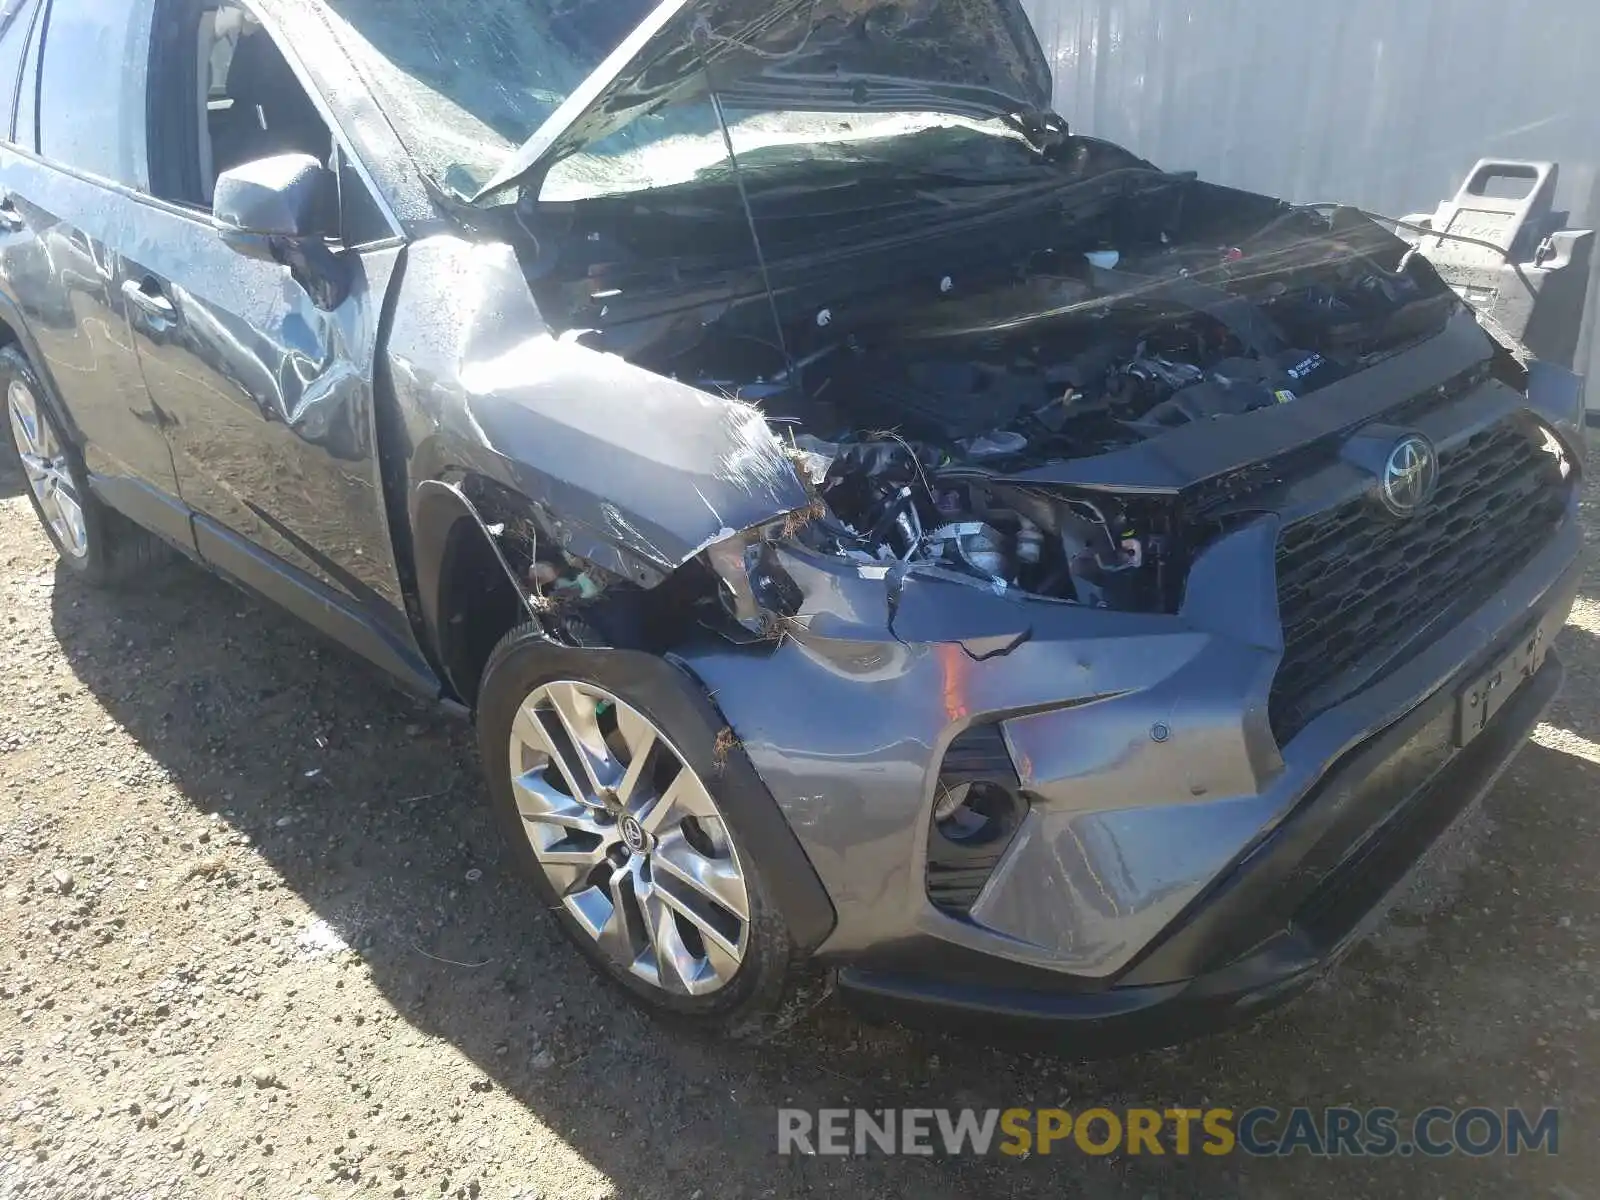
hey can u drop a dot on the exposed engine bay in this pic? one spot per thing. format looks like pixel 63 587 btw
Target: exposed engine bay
pixel 913 406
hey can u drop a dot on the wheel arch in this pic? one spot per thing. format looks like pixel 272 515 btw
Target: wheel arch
pixel 467 591
pixel 489 558
pixel 471 600
pixel 14 332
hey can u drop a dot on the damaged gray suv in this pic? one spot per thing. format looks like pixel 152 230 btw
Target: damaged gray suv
pixel 882 535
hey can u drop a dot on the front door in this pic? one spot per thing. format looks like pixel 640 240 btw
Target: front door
pixel 268 396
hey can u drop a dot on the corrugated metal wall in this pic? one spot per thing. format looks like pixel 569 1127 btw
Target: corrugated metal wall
pixel 1381 103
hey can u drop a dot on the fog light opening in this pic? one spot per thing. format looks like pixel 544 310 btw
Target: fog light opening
pixel 973 813
pixel 978 805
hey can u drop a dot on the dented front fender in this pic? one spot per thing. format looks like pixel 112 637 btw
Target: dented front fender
pixel 634 472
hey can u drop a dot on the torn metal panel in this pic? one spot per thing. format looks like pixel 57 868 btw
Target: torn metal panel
pixel 635 472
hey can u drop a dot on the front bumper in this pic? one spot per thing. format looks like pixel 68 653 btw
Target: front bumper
pixel 1316 918
pixel 1171 846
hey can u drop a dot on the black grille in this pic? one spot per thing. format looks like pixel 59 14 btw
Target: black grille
pixel 954 887
pixel 1356 586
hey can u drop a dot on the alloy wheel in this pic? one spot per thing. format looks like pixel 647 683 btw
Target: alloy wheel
pixel 44 462
pixel 630 838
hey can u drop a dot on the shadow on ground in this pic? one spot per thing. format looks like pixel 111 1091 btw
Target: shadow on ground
pixel 1478 992
pixel 12 481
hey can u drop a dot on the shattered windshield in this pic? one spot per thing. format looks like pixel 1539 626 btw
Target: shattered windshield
pixel 466 83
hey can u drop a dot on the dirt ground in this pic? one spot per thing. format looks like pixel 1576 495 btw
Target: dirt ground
pixel 257 939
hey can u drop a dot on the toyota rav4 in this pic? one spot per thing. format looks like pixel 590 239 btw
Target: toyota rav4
pixel 882 534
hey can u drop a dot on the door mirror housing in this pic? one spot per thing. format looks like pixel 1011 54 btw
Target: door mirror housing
pixel 286 196
pixel 281 210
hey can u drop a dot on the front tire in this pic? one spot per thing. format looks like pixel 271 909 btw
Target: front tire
pixel 607 771
pixel 94 542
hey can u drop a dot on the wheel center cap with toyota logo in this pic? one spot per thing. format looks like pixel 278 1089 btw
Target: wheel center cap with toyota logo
pixel 1410 475
pixel 633 834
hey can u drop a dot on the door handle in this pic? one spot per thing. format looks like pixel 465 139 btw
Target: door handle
pixel 146 294
pixel 11 221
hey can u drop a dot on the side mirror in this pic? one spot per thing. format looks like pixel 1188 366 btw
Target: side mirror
pixel 280 210
pixel 286 196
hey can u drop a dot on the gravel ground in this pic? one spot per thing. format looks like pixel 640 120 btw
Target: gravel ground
pixel 257 938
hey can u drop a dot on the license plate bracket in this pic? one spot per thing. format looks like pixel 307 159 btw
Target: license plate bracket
pixel 1484 696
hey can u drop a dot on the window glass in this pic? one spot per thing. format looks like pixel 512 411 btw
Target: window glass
pixel 16 16
pixel 27 124
pixel 468 81
pixel 223 94
pixel 256 106
pixel 91 95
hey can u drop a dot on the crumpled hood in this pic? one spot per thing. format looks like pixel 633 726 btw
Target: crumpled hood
pixel 973 58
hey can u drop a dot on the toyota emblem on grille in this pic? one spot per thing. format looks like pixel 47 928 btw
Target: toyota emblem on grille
pixel 1409 475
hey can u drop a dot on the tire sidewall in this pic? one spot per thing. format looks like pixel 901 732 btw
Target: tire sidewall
pixel 14 365
pixel 524 661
